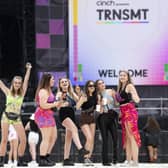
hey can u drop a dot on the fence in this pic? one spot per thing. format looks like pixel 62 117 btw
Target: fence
pixel 147 106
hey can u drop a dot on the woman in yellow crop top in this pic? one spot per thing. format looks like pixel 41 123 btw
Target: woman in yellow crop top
pixel 14 100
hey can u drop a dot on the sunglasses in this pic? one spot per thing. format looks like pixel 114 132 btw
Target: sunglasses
pixel 91 85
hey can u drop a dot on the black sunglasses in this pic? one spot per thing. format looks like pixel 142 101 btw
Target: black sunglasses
pixel 91 85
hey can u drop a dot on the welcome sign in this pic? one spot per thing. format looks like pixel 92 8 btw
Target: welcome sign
pixel 106 36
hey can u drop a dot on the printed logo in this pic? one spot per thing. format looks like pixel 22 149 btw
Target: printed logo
pixel 115 12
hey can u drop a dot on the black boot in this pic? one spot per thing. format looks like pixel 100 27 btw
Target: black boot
pixel 106 164
pixel 44 163
pixel 68 162
pixel 1 161
pixel 49 160
pixel 21 162
pixel 115 156
pixel 82 153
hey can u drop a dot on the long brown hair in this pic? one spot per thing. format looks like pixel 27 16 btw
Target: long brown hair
pixel 96 84
pixel 20 90
pixel 86 87
pixel 128 82
pixel 44 83
pixel 152 124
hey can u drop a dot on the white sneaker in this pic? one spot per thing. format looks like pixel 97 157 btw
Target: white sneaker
pixel 88 162
pixel 126 163
pixel 15 164
pixel 134 164
pixel 33 163
pixel 10 163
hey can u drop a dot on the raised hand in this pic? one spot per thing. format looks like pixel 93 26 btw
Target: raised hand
pixel 28 65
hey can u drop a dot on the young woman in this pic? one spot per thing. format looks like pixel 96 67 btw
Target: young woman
pixel 152 135
pixel 126 97
pixel 44 118
pixel 78 90
pixel 12 114
pixel 107 121
pixel 33 139
pixel 87 103
pixel 67 117
pixel 13 141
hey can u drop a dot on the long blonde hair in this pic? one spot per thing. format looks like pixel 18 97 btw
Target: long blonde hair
pixel 70 88
pixel 20 90
pixel 120 83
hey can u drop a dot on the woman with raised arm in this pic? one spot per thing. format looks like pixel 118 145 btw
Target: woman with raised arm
pixel 67 117
pixel 12 114
pixel 44 118
pixel 127 97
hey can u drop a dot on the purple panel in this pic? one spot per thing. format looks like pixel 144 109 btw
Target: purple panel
pixel 42 41
pixel 56 26
pixel 42 2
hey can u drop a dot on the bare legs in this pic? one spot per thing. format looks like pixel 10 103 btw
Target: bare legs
pixel 22 138
pixel 152 153
pixel 4 138
pixel 131 146
pixel 52 139
pixel 32 150
pixel 49 136
pixel 71 133
pixel 13 149
pixel 89 132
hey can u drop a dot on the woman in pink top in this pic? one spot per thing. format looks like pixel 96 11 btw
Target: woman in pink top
pixel 45 119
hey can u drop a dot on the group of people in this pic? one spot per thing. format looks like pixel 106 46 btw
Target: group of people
pixel 95 98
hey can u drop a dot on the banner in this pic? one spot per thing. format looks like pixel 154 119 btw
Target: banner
pixel 107 36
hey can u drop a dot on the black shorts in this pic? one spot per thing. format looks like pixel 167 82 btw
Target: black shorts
pixel 66 112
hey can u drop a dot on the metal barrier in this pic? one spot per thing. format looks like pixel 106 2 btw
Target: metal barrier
pixel 146 106
pixel 158 106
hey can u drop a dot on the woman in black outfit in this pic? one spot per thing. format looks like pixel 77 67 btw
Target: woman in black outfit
pixel 67 117
pixel 107 121
pixel 87 103
pixel 152 130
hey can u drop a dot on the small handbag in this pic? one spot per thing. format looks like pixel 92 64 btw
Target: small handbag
pixel 12 115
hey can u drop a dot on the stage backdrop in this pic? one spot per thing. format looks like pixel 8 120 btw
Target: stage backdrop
pixel 107 36
pixel 51 37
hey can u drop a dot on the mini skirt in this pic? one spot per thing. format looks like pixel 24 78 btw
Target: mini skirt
pixel 44 118
pixel 86 118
